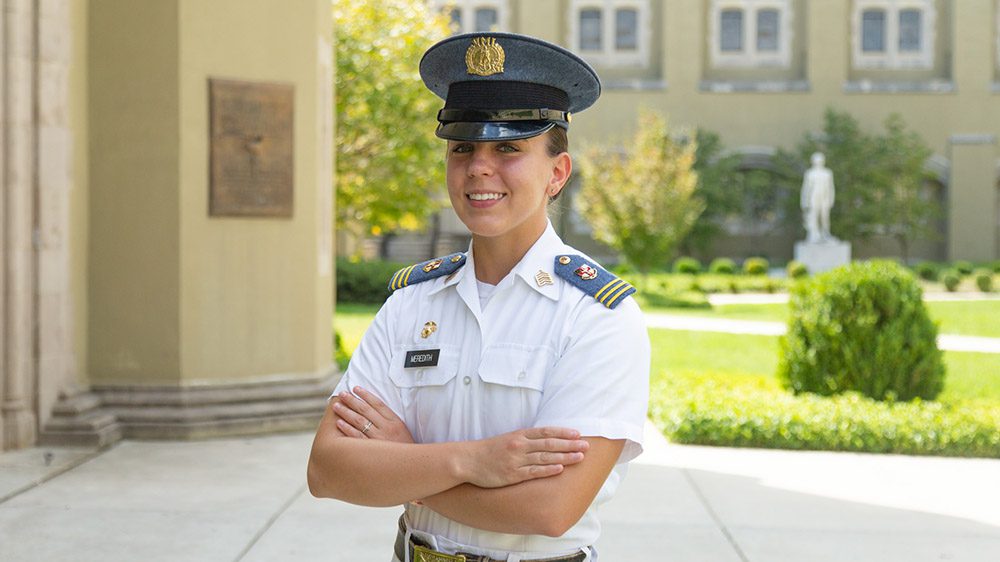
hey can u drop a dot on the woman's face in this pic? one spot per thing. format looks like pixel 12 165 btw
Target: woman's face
pixel 501 188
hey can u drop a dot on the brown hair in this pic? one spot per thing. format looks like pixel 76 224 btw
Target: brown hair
pixel 556 143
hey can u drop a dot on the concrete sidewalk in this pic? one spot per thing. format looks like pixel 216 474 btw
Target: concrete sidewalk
pixel 245 499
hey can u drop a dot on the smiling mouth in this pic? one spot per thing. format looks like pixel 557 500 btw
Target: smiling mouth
pixel 485 196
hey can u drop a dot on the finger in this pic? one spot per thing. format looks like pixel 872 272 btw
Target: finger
pixel 546 458
pixel 377 404
pixel 540 471
pixel 552 432
pixel 351 417
pixel 358 405
pixel 558 445
pixel 349 430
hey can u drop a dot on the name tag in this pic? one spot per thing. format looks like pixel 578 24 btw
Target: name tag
pixel 422 358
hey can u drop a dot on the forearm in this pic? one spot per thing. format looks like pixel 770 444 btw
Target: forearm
pixel 528 508
pixel 381 473
pixel 546 506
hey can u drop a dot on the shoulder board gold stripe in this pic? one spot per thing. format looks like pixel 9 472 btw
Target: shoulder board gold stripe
pixel 610 283
pixel 618 283
pixel 407 278
pixel 618 294
pixel 402 277
pixel 392 284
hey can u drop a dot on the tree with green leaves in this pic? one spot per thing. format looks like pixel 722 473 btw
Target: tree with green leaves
pixel 642 203
pixel 389 169
pixel 717 172
pixel 881 179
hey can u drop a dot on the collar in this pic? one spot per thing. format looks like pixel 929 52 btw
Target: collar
pixel 539 258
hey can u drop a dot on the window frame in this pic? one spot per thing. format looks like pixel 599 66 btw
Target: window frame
pixel 749 56
pixel 894 58
pixel 610 55
pixel 467 9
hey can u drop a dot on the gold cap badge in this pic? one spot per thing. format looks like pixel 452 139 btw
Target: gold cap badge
pixel 484 57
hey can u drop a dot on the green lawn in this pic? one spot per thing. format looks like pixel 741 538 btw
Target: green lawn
pixel 351 321
pixel 968 318
pixel 969 375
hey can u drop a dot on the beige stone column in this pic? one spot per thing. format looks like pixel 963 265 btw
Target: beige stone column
pixel 17 318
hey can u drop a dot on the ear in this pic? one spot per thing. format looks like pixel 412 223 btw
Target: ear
pixel 562 167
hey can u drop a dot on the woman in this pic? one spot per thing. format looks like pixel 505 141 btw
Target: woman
pixel 499 393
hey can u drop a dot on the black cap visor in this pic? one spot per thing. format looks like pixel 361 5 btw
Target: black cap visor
pixel 492 130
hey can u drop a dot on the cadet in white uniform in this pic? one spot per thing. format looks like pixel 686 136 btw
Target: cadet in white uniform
pixel 499 393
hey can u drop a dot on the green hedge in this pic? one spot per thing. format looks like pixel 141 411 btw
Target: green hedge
pixel 861 327
pixel 750 411
pixel 364 281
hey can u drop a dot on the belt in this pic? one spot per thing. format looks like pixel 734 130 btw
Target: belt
pixel 420 551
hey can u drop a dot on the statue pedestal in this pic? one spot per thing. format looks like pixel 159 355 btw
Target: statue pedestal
pixel 823 256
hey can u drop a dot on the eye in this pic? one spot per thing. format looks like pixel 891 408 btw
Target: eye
pixel 507 147
pixel 462 148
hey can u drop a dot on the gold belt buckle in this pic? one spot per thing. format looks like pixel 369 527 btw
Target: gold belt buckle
pixel 423 554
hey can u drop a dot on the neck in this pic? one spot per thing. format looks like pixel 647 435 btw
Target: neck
pixel 497 256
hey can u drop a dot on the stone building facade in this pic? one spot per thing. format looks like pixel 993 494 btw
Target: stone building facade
pixel 127 308
pixel 761 73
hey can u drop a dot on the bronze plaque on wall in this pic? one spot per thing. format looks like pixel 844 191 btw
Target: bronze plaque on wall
pixel 251 148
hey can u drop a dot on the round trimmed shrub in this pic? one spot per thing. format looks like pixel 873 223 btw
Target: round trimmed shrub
pixel 963 267
pixel 722 266
pixel 796 270
pixel 996 267
pixel 984 280
pixel 927 271
pixel 687 265
pixel 951 280
pixel 862 327
pixel 755 266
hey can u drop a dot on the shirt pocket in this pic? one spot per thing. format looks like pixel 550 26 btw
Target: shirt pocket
pixel 418 377
pixel 426 393
pixel 514 381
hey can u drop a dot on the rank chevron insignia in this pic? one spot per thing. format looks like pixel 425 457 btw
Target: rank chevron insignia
pixel 426 270
pixel 592 279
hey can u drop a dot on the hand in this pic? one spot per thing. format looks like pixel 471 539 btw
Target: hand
pixel 521 455
pixel 357 410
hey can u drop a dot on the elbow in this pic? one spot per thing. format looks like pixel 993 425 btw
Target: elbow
pixel 315 481
pixel 555 522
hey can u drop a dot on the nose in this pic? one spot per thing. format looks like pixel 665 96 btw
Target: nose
pixel 481 161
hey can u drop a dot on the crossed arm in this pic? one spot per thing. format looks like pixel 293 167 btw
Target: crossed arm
pixel 532 481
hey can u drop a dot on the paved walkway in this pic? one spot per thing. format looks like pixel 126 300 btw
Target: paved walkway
pixel 245 500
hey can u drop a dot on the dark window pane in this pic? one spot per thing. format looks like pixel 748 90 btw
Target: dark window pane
pixel 486 19
pixel 909 30
pixel 873 31
pixel 767 30
pixel 456 19
pixel 626 30
pixel 731 36
pixel 590 30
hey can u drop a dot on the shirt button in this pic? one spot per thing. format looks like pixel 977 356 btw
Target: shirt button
pixel 420 374
pixel 521 375
pixel 467 380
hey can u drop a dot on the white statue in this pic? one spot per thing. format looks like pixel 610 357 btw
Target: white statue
pixel 817 200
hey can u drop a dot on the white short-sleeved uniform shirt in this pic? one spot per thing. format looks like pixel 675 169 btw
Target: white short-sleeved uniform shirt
pixel 547 355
